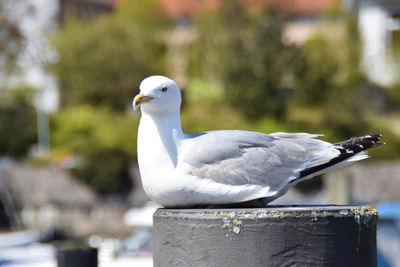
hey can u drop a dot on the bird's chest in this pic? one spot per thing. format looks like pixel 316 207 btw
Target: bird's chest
pixel 152 153
pixel 157 155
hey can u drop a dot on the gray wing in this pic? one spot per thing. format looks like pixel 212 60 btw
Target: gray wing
pixel 243 157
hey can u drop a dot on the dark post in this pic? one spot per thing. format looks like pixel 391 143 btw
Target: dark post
pixel 273 236
pixel 79 257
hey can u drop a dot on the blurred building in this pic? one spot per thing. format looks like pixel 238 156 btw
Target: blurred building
pixel 379 24
pixel 85 9
pixel 178 9
pixel 48 198
pixel 362 183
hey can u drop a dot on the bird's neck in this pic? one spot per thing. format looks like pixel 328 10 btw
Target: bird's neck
pixel 166 126
pixel 163 131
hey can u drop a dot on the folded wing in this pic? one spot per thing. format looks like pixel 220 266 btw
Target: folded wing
pixel 243 157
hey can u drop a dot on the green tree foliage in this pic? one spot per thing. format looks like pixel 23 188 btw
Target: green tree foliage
pixel 101 64
pixel 17 121
pixel 330 81
pixel 252 71
pixel 104 141
pixel 243 48
pixel 260 74
pixel 11 38
pixel 330 65
pixel 392 100
pixel 17 114
pixel 103 60
pixel 106 170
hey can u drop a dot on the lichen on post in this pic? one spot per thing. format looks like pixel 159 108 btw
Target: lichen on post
pixel 273 236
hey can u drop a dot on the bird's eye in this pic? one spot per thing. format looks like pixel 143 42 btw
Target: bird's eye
pixel 164 89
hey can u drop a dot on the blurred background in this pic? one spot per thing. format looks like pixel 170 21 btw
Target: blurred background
pixel 69 70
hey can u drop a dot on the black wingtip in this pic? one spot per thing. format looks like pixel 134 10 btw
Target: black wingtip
pixel 358 144
pixel 347 149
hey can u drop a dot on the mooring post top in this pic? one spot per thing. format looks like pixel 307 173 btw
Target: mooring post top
pixel 327 235
pixel 360 213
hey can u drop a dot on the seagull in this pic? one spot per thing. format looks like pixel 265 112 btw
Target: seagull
pixel 225 167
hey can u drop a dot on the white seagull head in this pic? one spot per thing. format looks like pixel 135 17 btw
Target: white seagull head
pixel 158 95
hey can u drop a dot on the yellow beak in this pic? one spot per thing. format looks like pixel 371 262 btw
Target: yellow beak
pixel 140 99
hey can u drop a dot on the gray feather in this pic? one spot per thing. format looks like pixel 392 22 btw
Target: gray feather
pixel 243 157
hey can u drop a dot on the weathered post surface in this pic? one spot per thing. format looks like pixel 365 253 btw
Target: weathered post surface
pixel 273 236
